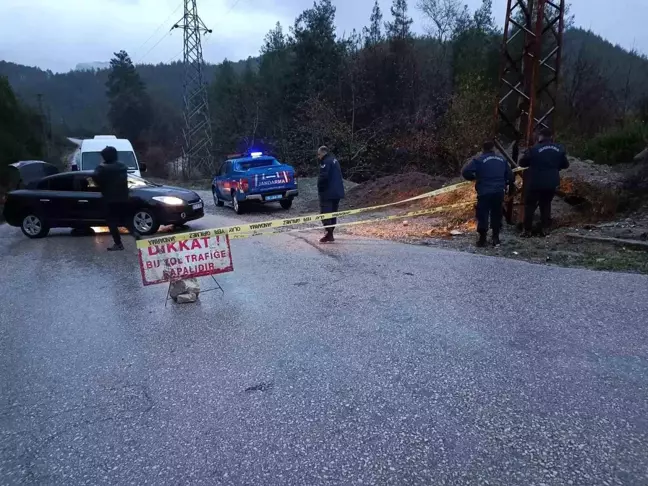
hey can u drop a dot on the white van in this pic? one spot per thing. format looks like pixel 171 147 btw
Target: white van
pixel 88 155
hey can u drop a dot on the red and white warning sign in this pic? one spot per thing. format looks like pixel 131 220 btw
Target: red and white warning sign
pixel 177 257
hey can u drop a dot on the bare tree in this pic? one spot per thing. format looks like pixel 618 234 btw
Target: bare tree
pixel 446 16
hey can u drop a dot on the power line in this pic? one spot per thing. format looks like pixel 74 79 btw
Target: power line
pixel 165 22
pixel 154 46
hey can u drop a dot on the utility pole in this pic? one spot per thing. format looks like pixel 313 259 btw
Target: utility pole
pixel 529 73
pixel 197 147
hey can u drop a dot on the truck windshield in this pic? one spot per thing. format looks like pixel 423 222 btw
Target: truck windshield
pixel 90 160
pixel 253 164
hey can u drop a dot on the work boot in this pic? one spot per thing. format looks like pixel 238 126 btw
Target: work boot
pixel 116 247
pixel 327 238
pixel 496 238
pixel 481 242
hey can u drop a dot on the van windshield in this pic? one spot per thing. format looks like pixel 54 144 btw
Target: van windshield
pixel 90 160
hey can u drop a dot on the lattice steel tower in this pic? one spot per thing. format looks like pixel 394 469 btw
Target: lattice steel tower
pixel 197 148
pixel 530 70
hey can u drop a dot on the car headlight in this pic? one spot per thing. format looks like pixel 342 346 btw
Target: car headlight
pixel 170 200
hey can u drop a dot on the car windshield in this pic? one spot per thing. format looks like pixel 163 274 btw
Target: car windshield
pixel 91 160
pixel 253 164
pixel 134 181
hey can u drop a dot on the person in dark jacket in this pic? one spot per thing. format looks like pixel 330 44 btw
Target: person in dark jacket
pixel 330 187
pixel 543 161
pixel 112 178
pixel 492 175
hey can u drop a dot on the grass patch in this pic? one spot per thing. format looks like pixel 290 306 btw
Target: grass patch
pixel 617 146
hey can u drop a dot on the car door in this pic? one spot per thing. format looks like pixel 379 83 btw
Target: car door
pixel 89 202
pixel 222 181
pixel 56 197
pixel 70 201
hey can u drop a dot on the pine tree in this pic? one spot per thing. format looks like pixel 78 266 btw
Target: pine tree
pixel 399 28
pixel 130 107
pixel 373 34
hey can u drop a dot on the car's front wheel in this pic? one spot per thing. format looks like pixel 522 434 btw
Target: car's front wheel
pixel 33 226
pixel 145 222
pixel 286 203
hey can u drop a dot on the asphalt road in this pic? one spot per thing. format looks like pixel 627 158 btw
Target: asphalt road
pixel 362 362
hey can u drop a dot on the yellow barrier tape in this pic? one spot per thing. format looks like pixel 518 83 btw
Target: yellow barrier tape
pixel 281 223
pixel 410 214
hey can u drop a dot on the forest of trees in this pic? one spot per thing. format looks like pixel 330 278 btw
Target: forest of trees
pixel 24 134
pixel 385 100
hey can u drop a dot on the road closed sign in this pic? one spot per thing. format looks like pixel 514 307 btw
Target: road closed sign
pixel 177 257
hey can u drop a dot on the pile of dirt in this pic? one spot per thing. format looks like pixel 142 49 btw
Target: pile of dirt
pixel 592 188
pixel 392 188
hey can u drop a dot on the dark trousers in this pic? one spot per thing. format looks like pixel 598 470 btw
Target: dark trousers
pixel 116 216
pixel 533 199
pixel 329 206
pixel 490 206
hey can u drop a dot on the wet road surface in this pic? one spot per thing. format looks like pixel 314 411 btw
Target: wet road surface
pixel 363 362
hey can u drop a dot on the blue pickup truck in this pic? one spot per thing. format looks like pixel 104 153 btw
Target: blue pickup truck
pixel 255 177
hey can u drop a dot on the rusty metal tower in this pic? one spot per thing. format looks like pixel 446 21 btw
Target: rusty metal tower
pixel 530 69
pixel 197 147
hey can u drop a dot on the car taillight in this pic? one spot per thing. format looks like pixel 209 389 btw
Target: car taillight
pixel 244 185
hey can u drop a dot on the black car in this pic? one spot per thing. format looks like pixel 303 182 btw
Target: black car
pixel 47 199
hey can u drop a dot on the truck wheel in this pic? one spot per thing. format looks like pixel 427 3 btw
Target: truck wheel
pixel 217 200
pixel 286 203
pixel 239 208
pixel 33 226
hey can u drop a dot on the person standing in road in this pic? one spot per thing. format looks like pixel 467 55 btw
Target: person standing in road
pixel 492 175
pixel 543 161
pixel 330 187
pixel 112 178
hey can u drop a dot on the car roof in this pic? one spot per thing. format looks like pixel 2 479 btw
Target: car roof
pixel 251 159
pixel 86 173
pixel 98 144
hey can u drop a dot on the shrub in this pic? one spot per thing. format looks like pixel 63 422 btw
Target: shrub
pixel 618 145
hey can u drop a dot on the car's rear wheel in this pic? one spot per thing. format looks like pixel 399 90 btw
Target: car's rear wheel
pixel 33 226
pixel 286 203
pixel 217 200
pixel 145 222
pixel 239 208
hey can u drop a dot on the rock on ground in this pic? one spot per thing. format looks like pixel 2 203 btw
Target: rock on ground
pixel 187 298
pixel 187 286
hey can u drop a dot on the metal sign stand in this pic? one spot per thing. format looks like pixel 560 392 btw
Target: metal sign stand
pixel 218 287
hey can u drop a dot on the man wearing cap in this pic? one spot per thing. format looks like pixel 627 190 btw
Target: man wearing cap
pixel 112 178
pixel 330 187
pixel 543 161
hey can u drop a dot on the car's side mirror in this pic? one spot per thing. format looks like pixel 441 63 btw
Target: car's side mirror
pixel 142 167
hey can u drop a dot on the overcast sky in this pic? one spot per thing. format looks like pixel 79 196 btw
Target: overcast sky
pixel 58 34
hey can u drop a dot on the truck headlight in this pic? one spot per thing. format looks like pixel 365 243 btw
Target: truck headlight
pixel 170 200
